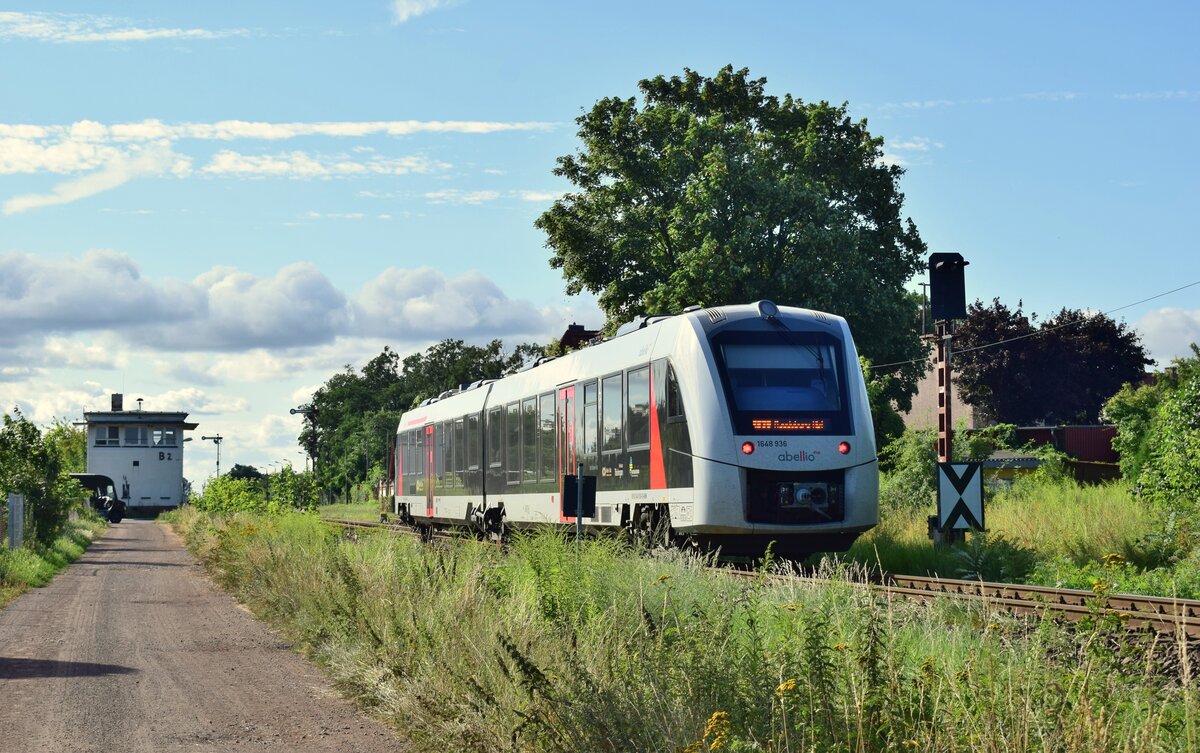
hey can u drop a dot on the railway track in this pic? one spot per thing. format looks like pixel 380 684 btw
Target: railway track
pixel 1163 615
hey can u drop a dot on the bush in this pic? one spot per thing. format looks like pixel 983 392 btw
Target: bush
pixel 36 465
pixel 273 494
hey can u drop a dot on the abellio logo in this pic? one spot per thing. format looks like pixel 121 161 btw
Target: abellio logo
pixel 803 457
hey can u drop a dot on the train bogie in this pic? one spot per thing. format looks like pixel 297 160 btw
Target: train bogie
pixel 732 427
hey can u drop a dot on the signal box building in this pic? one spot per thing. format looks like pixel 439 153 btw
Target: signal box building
pixel 141 452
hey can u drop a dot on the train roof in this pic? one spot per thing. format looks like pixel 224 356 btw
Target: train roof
pixel 707 318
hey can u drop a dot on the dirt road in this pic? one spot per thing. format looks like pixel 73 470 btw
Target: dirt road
pixel 132 649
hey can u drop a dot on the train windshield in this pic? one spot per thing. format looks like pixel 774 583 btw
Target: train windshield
pixel 783 382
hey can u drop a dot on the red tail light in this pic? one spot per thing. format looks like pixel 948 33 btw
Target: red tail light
pixel 747 448
pixel 844 448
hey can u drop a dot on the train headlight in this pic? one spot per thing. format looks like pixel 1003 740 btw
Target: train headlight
pixel 844 448
pixel 747 448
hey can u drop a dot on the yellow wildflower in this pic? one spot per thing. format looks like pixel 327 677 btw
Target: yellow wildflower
pixel 841 646
pixel 785 687
pixel 717 728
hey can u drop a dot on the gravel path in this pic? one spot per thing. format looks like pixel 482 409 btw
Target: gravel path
pixel 132 649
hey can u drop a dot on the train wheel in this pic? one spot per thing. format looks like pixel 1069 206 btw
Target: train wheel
pixel 650 527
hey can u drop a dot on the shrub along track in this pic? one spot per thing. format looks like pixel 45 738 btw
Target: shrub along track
pixel 1166 616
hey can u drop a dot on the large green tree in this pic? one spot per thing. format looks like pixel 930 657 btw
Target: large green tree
pixel 709 191
pixel 1061 371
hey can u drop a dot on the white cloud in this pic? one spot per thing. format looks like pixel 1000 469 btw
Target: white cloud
pixel 540 197
pixel 423 304
pixel 297 306
pixel 40 296
pixel 64 28
pixel 1176 94
pixel 194 400
pixel 114 154
pixel 300 164
pixel 914 144
pixel 334 215
pixel 403 10
pixel 457 196
pixel 154 159
pixel 1169 332
pixel 61 352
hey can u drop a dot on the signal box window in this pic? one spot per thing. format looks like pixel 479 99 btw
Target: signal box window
pixel 108 436
pixel 136 436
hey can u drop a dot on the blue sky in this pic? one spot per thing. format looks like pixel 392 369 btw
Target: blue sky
pixel 215 205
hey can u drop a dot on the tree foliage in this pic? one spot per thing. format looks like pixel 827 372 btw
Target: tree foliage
pixel 273 493
pixel 355 413
pixel 36 464
pixel 1060 371
pixel 1158 435
pixel 709 191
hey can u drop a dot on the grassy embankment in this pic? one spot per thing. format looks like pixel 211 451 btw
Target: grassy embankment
pixel 31 567
pixel 365 511
pixel 543 648
pixel 1055 533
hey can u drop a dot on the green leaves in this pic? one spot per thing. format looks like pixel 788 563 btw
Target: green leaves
pixel 36 465
pixel 711 192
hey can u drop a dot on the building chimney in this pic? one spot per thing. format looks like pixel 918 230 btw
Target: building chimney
pixel 116 402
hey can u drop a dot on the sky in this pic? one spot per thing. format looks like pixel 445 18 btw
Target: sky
pixel 216 206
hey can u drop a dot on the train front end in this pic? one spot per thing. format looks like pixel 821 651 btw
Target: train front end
pixel 790 457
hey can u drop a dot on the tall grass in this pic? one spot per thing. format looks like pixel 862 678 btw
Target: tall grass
pixel 1049 531
pixel 34 566
pixel 547 647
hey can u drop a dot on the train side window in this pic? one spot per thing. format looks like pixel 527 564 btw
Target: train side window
pixel 419 465
pixel 529 440
pixel 588 426
pixel 439 456
pixel 460 452
pixel 512 444
pixel 495 437
pixel 546 440
pixel 637 403
pixel 473 443
pixel 611 410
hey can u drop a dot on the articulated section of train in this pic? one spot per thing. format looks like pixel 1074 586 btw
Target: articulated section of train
pixel 728 427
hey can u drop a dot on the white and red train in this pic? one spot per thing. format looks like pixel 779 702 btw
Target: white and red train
pixel 728 427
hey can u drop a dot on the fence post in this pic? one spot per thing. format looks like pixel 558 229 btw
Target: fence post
pixel 16 521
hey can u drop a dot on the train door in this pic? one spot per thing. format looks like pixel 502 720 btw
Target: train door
pixel 565 418
pixel 430 471
pixel 587 431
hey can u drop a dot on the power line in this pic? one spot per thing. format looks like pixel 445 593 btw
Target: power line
pixel 1041 331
